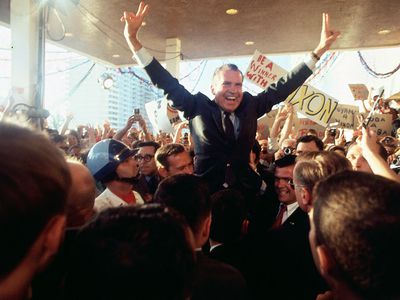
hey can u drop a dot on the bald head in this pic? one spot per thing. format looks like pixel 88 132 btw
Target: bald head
pixel 82 194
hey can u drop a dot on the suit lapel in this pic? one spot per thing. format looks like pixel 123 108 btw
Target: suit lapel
pixel 298 216
pixel 241 114
pixel 216 114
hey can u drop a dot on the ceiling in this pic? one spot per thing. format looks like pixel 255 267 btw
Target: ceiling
pixel 206 31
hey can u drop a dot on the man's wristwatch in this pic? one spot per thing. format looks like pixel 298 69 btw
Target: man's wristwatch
pixel 315 57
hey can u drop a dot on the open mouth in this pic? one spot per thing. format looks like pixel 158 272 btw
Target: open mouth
pixel 230 98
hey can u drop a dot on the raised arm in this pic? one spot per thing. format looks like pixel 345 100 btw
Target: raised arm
pixel 370 152
pixel 328 37
pixel 122 132
pixel 133 22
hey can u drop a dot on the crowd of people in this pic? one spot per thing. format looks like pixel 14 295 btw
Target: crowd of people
pixel 217 214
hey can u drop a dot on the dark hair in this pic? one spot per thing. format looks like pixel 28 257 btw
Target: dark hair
pixel 285 161
pixel 75 134
pixel 189 195
pixel 228 214
pixel 166 151
pixel 309 139
pixel 155 145
pixel 357 217
pixel 57 138
pixel 135 252
pixel 34 185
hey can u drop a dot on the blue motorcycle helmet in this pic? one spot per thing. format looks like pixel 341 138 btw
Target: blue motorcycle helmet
pixel 104 158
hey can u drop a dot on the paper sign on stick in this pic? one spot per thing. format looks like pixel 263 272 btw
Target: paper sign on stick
pixel 381 123
pixel 304 124
pixel 313 103
pixel 345 115
pixel 161 115
pixel 263 71
pixel 394 97
pixel 359 91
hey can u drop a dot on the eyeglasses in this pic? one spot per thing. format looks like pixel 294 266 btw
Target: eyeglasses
pixel 146 157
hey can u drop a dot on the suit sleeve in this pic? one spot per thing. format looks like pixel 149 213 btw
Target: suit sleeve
pixel 279 91
pixel 181 98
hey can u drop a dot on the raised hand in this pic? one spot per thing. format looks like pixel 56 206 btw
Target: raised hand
pixel 133 22
pixel 328 36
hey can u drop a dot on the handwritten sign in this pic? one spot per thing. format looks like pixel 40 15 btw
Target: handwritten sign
pixel 345 115
pixel 161 115
pixel 264 124
pixel 305 124
pixel 263 71
pixel 381 123
pixel 313 104
pixel 359 91
pixel 394 97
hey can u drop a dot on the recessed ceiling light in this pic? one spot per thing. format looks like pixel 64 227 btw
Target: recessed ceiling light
pixel 116 55
pixel 384 31
pixel 249 43
pixel 68 34
pixel 143 23
pixel 232 11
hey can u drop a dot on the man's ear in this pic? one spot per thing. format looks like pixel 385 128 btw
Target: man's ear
pixel 213 89
pixel 53 237
pixel 306 197
pixel 327 263
pixel 163 172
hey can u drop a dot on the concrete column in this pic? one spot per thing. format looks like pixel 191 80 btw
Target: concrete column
pixel 27 37
pixel 172 56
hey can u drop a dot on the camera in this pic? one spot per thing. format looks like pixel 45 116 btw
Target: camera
pixel 332 131
pixel 395 165
pixel 288 151
pixel 136 111
pixel 388 141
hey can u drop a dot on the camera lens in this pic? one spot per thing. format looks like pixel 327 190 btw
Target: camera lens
pixel 287 151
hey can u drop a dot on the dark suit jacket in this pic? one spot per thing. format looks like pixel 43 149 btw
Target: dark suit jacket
pixel 216 280
pixel 146 189
pixel 212 149
pixel 288 268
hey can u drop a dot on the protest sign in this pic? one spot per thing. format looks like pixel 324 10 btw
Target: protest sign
pixel 394 97
pixel 359 91
pixel 263 71
pixel 161 115
pixel 313 104
pixel 264 124
pixel 345 116
pixel 381 123
pixel 304 124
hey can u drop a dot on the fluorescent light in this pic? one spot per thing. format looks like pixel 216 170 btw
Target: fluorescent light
pixel 249 43
pixel 384 31
pixel 232 11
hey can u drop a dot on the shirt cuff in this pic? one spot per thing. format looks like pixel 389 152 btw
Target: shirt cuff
pixel 310 62
pixel 143 57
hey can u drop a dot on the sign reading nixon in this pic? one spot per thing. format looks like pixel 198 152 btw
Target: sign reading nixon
pixel 263 71
pixel 313 103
